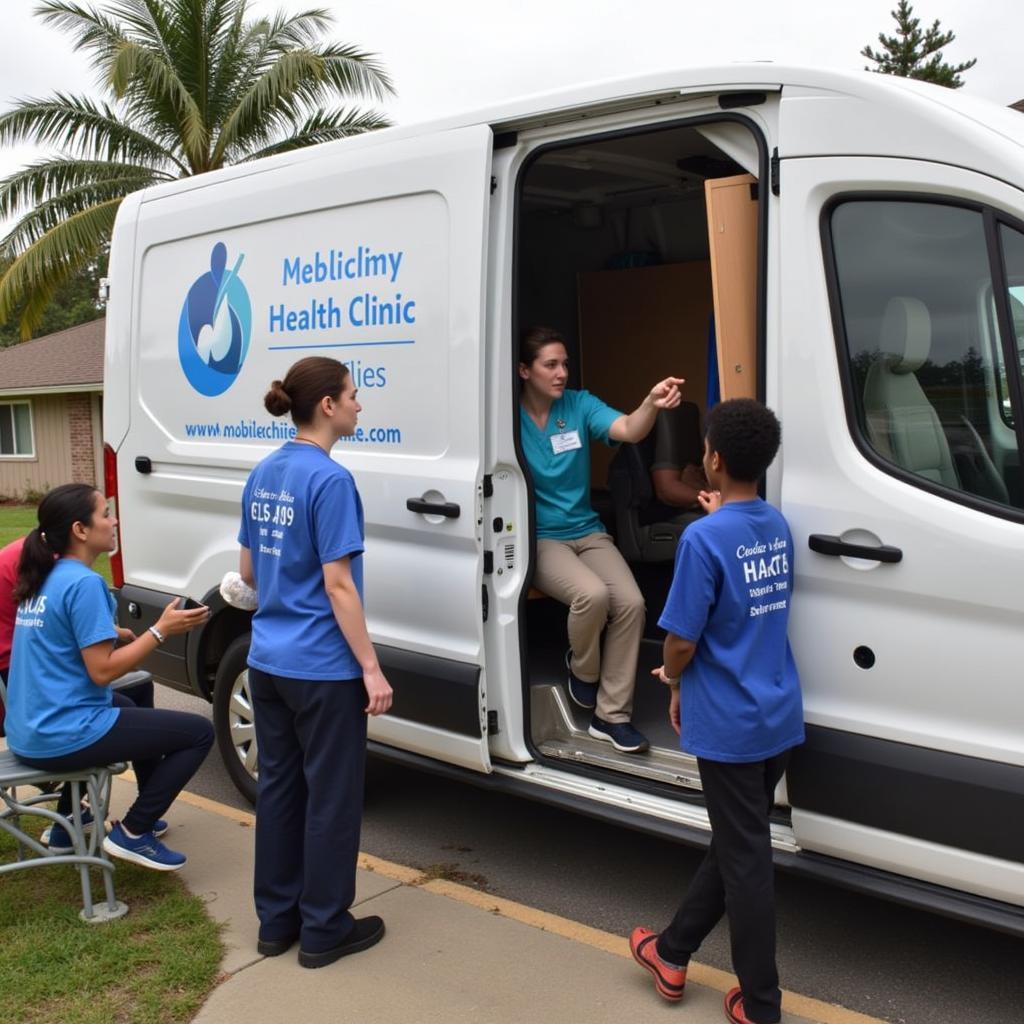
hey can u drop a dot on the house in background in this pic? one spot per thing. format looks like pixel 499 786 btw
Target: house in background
pixel 51 411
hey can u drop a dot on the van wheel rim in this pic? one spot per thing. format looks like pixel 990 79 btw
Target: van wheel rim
pixel 241 725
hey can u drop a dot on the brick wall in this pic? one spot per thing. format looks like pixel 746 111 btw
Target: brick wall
pixel 83 461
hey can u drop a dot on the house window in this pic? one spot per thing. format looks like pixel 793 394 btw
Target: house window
pixel 16 440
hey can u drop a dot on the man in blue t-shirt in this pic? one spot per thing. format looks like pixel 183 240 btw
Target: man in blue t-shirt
pixel 736 705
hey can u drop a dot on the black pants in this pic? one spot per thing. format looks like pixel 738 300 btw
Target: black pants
pixel 164 747
pixel 309 805
pixel 735 878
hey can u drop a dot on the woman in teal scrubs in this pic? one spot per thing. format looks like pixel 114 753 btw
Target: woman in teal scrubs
pixel 577 561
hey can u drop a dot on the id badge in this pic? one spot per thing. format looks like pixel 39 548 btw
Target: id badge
pixel 567 442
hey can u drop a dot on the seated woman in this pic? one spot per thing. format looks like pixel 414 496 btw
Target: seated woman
pixel 61 713
pixel 577 561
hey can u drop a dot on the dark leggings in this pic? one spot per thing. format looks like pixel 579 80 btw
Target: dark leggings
pixel 165 748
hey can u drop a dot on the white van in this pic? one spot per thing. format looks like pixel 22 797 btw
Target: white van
pixel 848 247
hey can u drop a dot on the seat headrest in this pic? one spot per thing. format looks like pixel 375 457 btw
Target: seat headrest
pixel 906 336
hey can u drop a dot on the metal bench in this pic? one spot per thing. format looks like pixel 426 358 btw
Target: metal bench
pixel 94 783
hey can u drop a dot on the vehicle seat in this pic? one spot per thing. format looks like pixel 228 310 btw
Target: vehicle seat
pixel 645 529
pixel 902 424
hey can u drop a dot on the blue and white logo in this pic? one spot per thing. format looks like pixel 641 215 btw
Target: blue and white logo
pixel 215 326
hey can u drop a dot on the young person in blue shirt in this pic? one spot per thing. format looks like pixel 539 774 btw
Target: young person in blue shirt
pixel 736 704
pixel 577 561
pixel 313 672
pixel 61 711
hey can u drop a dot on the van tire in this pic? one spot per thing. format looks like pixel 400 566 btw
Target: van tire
pixel 232 712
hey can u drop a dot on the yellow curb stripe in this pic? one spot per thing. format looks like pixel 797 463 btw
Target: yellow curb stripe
pixel 397 872
pixel 701 974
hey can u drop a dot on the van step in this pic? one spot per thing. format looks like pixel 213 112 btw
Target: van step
pixel 560 731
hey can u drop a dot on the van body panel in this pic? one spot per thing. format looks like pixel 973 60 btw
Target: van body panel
pixel 894 852
pixel 895 787
pixel 915 124
pixel 379 262
pixel 954 599
pixel 117 358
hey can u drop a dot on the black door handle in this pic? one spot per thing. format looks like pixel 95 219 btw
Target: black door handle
pixel 448 509
pixel 825 544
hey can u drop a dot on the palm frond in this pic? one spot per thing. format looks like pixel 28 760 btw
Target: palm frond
pixel 91 29
pixel 270 96
pixel 299 31
pixel 81 126
pixel 143 73
pixel 35 275
pixel 48 214
pixel 323 126
pixel 353 72
pixel 55 176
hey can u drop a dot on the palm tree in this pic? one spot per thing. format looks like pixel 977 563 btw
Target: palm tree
pixel 192 85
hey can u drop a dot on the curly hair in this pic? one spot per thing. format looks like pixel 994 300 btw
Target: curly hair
pixel 746 434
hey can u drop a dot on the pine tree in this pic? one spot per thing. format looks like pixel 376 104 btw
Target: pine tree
pixel 913 53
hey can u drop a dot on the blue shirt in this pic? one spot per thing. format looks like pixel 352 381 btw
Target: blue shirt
pixel 300 510
pixel 740 695
pixel 561 480
pixel 53 707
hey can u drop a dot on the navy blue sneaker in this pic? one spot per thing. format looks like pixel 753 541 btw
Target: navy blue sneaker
pixel 159 828
pixel 57 837
pixel 621 735
pixel 583 694
pixel 145 850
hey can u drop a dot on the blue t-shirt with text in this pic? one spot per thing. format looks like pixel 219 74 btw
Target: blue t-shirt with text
pixel 53 707
pixel 300 510
pixel 561 479
pixel 731 590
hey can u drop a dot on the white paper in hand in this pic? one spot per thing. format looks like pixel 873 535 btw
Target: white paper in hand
pixel 237 592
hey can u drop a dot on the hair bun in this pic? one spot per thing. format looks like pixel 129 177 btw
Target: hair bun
pixel 277 401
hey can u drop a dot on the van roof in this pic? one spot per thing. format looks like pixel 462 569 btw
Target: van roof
pixel 825 112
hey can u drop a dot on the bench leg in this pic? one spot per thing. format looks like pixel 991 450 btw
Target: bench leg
pixel 99 787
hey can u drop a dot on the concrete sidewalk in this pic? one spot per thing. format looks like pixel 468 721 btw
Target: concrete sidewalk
pixel 452 954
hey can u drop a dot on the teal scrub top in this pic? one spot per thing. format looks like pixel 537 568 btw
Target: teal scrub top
pixel 561 480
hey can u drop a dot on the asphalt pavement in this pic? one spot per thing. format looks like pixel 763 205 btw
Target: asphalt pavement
pixel 875 957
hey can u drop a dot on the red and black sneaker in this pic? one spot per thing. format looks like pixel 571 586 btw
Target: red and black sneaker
pixel 734 1007
pixel 669 981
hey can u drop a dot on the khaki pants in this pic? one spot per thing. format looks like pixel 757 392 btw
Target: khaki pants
pixel 592 578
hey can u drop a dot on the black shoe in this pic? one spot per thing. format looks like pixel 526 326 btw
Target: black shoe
pixel 275 947
pixel 583 694
pixel 366 932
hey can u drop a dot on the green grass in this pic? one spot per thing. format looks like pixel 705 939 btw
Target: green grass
pixel 17 520
pixel 156 965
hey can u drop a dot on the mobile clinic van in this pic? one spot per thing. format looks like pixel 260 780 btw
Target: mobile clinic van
pixel 856 245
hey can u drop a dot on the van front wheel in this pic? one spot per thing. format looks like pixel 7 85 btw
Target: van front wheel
pixel 233 717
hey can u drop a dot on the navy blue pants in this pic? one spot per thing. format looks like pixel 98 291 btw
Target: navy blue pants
pixel 311 736
pixel 164 747
pixel 736 878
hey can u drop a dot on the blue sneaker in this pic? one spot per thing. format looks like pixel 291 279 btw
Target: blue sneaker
pixel 621 735
pixel 583 694
pixel 145 850
pixel 57 837
pixel 159 828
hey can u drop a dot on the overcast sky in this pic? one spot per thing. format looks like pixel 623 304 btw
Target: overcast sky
pixel 453 55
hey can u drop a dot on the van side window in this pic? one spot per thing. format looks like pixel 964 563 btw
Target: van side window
pixel 927 383
pixel 1013 256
